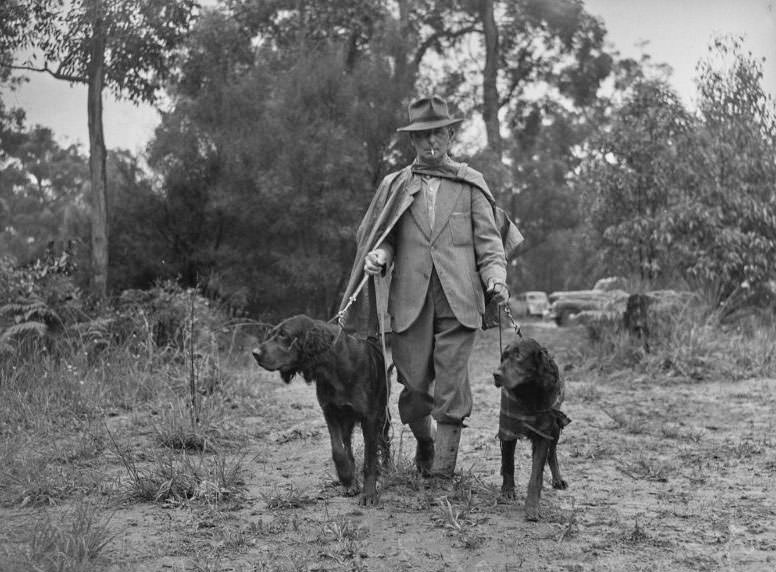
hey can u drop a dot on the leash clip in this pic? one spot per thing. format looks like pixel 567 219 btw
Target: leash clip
pixel 515 325
pixel 341 314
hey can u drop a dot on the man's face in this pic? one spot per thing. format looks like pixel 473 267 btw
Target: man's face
pixel 431 146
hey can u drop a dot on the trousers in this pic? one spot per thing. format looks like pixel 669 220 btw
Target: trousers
pixel 432 362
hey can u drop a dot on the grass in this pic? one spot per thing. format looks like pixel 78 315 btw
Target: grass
pixel 695 341
pixel 212 432
pixel 176 476
pixel 645 467
pixel 119 430
pixel 41 470
pixel 72 542
pixel 290 498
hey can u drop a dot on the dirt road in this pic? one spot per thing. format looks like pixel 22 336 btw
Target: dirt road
pixel 664 474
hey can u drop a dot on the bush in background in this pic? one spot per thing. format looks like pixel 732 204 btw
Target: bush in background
pixel 693 335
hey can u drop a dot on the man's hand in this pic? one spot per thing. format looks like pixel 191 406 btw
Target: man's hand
pixel 375 261
pixel 498 291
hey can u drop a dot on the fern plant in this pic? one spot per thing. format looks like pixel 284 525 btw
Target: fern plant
pixel 31 323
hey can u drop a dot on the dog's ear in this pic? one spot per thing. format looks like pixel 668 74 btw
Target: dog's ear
pixel 546 368
pixel 316 340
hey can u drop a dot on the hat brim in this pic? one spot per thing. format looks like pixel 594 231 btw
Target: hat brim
pixel 427 125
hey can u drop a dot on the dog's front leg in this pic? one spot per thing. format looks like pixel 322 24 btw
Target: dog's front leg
pixel 340 429
pixel 558 482
pixel 370 430
pixel 508 468
pixel 540 448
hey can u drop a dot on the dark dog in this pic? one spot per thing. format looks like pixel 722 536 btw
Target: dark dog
pixel 531 393
pixel 349 376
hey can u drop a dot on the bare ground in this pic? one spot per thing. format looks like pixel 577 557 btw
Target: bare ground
pixel 664 474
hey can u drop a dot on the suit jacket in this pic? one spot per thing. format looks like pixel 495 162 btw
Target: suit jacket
pixel 390 206
pixel 463 246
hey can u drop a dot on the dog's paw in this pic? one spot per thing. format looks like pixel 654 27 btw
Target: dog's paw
pixel 532 514
pixel 352 490
pixel 508 493
pixel 560 484
pixel 368 499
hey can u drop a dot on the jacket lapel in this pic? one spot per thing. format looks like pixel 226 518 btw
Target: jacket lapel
pixel 418 210
pixel 447 197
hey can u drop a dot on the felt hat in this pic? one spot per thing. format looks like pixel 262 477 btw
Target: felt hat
pixel 429 113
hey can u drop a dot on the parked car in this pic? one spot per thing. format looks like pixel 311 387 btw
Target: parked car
pixel 566 304
pixel 532 303
pixel 608 301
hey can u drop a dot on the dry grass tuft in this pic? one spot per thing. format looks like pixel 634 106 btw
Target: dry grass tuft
pixel 72 542
pixel 697 340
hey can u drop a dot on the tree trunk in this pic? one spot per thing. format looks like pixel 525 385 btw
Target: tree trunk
pixel 97 171
pixel 406 69
pixel 490 99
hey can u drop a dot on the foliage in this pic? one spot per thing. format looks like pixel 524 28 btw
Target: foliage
pixel 633 182
pixel 38 300
pixel 41 193
pixel 138 39
pixel 140 254
pixel 726 228
pixel 268 170
pixel 539 106
pixel 677 198
pixel 43 311
pixel 125 46
pixel 693 337
pixel 163 314
pixel 282 122
pixel 44 207
pixel 556 44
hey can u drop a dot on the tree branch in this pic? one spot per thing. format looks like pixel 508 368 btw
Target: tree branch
pixel 45 69
pixel 434 38
pixel 518 74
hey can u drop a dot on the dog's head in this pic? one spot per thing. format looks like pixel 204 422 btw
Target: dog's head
pixel 293 346
pixel 525 362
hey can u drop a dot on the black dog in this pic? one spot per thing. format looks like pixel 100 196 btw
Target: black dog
pixel 531 393
pixel 349 376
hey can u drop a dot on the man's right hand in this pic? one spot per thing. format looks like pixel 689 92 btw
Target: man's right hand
pixel 375 261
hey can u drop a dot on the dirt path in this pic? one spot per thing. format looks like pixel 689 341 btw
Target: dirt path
pixel 664 475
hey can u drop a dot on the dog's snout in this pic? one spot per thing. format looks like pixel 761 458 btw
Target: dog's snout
pixel 498 378
pixel 257 354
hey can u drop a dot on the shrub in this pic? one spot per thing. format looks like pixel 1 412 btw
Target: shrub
pixel 696 337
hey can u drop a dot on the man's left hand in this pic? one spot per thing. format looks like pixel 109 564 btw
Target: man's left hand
pixel 498 291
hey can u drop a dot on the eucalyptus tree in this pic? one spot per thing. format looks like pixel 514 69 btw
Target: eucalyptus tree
pixel 121 45
pixel 727 224
pixel 679 196
pixel 275 138
pixel 634 179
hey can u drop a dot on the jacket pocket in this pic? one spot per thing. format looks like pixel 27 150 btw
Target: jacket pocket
pixel 460 225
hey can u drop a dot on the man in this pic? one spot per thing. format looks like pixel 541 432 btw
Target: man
pixel 433 225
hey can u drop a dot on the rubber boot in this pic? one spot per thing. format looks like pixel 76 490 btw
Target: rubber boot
pixel 424 435
pixel 446 450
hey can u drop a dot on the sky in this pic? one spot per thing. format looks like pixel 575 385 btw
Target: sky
pixel 675 32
